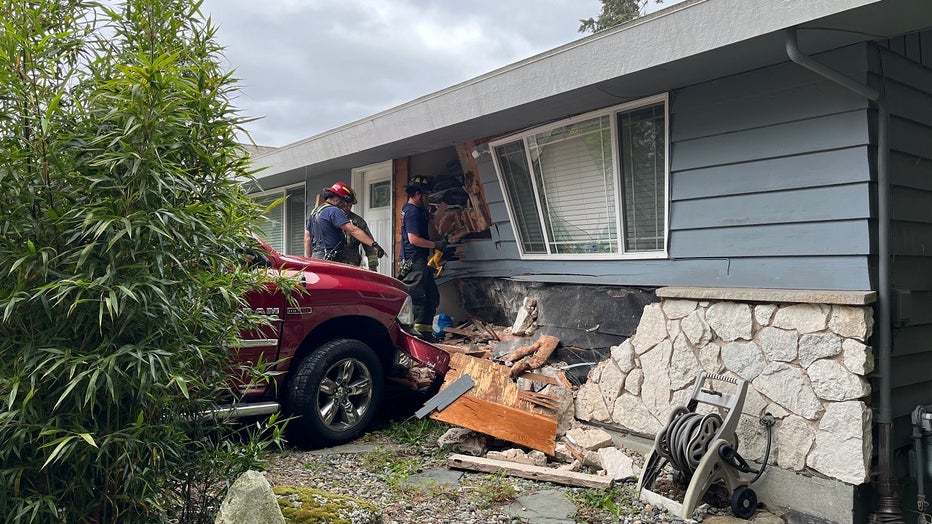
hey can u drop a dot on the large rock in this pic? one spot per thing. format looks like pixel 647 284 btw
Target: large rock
pixel 730 321
pixel 696 329
pixel 631 413
pixel 852 322
pixel 788 386
pixel 684 367
pixel 651 330
pixel 304 504
pixel 250 500
pixel 744 359
pixel 590 405
pixel 814 346
pixel 843 444
pixel 778 344
pixel 832 381
pixel 805 318
pixel 794 437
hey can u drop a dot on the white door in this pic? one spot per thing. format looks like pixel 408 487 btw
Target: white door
pixel 373 185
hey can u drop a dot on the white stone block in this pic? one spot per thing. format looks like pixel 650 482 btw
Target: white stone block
pixel 651 330
pixel 778 344
pixel 814 346
pixel 631 413
pixel 696 329
pixel 842 444
pixel 789 386
pixel 744 359
pixel 763 314
pixel 805 318
pixel 730 320
pixel 678 308
pixel 852 322
pixel 857 357
pixel 832 381
pixel 793 438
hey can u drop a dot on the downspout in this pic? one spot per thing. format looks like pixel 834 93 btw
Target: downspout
pixel 889 506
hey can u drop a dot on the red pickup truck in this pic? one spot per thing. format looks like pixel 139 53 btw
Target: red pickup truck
pixel 334 346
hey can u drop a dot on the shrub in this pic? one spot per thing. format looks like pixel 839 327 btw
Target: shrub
pixel 123 213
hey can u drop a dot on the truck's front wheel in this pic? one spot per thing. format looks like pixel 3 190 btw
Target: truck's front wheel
pixel 334 393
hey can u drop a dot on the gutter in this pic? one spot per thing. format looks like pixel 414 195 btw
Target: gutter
pixel 889 501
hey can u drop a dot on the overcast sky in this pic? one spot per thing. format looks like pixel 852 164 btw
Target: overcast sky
pixel 307 66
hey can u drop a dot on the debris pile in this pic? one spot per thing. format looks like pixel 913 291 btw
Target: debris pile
pixel 503 389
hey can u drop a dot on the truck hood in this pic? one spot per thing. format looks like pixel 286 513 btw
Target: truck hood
pixel 321 269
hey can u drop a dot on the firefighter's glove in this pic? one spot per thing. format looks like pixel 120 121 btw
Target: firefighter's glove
pixel 378 249
pixel 440 245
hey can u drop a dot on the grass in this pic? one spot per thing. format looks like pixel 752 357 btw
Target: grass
pixel 604 505
pixel 415 432
pixel 492 490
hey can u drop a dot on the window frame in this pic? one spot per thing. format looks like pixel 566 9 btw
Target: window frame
pixel 612 114
pixel 280 192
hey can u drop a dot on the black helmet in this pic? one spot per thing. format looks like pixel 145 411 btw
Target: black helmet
pixel 419 183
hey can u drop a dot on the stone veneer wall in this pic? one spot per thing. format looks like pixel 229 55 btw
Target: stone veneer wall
pixel 805 363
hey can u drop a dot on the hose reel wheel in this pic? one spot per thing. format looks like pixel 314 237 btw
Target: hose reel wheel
pixel 743 502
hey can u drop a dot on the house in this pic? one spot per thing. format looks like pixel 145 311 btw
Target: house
pixel 739 186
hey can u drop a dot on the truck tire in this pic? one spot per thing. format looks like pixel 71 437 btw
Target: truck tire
pixel 334 393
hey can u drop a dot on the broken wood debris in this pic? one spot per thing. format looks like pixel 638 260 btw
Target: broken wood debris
pixel 540 399
pixel 540 352
pixel 567 478
pixel 493 406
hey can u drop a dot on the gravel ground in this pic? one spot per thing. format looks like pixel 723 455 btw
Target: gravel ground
pixel 401 449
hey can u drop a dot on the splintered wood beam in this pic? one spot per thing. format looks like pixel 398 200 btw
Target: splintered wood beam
pixel 492 406
pixel 566 478
pixel 500 421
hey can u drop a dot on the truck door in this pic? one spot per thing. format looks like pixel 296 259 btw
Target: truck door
pixel 262 343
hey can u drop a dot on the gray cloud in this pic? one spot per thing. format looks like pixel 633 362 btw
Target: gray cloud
pixel 307 66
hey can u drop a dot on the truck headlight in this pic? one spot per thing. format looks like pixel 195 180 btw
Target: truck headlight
pixel 406 314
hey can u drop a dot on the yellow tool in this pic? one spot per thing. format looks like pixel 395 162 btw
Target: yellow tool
pixel 436 262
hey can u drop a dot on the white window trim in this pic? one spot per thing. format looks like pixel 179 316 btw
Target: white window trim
pixel 641 255
pixel 280 192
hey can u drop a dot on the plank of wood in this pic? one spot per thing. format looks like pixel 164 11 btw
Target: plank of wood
pixel 505 422
pixel 566 478
pixel 492 381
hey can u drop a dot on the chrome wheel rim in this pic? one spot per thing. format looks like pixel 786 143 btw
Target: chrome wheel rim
pixel 345 394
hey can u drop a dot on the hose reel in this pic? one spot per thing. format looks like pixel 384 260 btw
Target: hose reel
pixel 702 447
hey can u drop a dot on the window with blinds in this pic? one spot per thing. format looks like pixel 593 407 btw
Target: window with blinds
pixel 282 227
pixel 593 187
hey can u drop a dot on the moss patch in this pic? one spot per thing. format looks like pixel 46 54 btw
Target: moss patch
pixel 303 505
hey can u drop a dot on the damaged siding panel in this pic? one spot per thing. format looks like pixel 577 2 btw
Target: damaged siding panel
pixel 837 272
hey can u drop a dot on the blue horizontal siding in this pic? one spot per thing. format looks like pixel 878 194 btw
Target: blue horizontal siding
pixel 840 166
pixel 770 186
pixel 801 205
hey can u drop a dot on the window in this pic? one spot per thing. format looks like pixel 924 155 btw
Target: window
pixel 594 187
pixel 283 227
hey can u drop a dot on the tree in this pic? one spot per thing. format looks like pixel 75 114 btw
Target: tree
pixel 121 284
pixel 614 12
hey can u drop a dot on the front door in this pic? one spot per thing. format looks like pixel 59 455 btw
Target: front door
pixel 373 185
